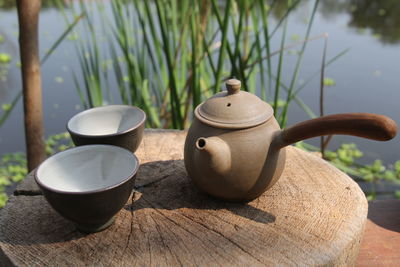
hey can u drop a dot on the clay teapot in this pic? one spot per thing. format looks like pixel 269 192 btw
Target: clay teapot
pixel 235 149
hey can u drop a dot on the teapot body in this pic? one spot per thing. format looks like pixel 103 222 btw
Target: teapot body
pixel 235 149
pixel 247 173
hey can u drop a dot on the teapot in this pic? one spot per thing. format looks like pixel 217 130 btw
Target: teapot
pixel 235 148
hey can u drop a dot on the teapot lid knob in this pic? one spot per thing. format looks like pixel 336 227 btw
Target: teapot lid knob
pixel 233 86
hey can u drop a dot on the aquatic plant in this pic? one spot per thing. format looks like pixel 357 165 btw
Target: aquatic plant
pixel 168 56
pixel 5 58
pixel 345 159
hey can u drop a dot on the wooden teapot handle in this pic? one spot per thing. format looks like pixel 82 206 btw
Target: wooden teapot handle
pixel 371 126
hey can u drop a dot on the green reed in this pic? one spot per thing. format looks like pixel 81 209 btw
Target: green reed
pixel 167 56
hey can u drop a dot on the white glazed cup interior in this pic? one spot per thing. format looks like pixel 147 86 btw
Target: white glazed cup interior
pixel 107 120
pixel 87 169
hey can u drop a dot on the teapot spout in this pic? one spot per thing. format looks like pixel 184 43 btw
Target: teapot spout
pixel 214 154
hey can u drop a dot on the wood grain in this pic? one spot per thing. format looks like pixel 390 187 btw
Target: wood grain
pixel 314 215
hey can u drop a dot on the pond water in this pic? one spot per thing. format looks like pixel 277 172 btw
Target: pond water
pixel 366 77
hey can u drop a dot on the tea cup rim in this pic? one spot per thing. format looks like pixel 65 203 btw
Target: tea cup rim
pixel 141 122
pixel 99 190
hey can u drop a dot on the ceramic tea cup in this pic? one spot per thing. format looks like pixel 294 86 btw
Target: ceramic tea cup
pixel 118 125
pixel 88 185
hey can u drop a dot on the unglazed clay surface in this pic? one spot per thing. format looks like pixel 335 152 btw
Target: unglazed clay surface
pixel 87 168
pixel 106 120
pixel 249 173
pixel 235 149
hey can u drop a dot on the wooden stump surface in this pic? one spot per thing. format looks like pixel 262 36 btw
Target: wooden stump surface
pixel 314 215
pixel 380 244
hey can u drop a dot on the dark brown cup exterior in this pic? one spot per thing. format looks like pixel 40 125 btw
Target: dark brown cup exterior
pixel 90 211
pixel 129 140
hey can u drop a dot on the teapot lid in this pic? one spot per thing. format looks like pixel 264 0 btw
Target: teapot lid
pixel 234 109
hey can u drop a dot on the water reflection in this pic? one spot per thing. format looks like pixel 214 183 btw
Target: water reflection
pixel 280 8
pixel 381 17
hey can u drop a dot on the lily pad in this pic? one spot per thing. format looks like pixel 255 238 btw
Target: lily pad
pixel 381 12
pixel 295 37
pixel 3 199
pixel 6 107
pixel 329 82
pixel 5 58
pixel 361 30
pixel 59 79
pixel 377 36
pixel 73 37
pixel 353 8
pixel 377 73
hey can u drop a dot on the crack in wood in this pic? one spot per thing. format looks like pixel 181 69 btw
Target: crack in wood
pixel 152 182
pixel 185 248
pixel 27 193
pixel 163 241
pixel 161 148
pixel 149 249
pixel 173 221
pixel 186 230
pixel 131 225
pixel 224 236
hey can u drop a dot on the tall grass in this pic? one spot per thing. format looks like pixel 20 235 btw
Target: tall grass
pixel 167 56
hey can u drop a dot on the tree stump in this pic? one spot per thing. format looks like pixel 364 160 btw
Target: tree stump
pixel 380 245
pixel 314 215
